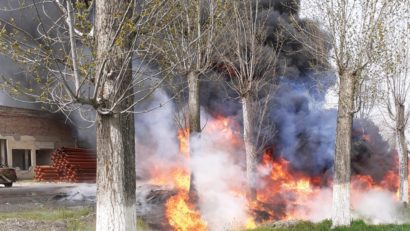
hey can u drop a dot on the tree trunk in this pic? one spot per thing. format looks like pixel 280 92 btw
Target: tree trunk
pixel 194 118
pixel 193 103
pixel 402 152
pixel 250 149
pixel 116 203
pixel 342 167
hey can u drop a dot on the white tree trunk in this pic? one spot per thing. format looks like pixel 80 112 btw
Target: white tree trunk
pixel 342 166
pixel 194 123
pixel 250 149
pixel 402 151
pixel 116 203
pixel 193 103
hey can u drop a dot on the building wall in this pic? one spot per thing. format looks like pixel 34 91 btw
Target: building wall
pixel 33 131
pixel 18 122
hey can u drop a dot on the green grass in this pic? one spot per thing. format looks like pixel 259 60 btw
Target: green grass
pixel 77 225
pixel 72 217
pixel 326 225
pixel 141 225
pixel 47 214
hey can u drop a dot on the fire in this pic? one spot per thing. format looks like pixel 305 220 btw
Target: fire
pixel 181 215
pixel 295 189
pixel 183 138
pixel 180 212
pixel 280 181
pixel 182 179
pixel 250 223
pixel 284 192
pixel 281 178
pixel 226 127
pixel 299 186
pixel 174 176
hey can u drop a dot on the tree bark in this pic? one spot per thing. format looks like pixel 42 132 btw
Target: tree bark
pixel 250 149
pixel 342 167
pixel 194 118
pixel 116 203
pixel 193 103
pixel 403 153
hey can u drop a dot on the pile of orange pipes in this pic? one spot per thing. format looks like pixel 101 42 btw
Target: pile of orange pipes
pixel 69 165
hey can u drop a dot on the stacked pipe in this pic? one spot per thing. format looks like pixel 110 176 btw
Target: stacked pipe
pixel 74 164
pixel 46 173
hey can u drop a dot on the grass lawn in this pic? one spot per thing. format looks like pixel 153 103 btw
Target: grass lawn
pixel 46 214
pixel 356 226
pixel 75 219
pixel 84 220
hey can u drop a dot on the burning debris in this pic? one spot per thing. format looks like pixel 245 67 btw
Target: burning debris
pixel 286 193
pixel 295 175
pixel 294 171
pixel 151 200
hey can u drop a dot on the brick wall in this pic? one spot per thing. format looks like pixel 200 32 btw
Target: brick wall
pixel 44 126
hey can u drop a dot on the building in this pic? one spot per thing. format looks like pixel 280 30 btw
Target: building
pixel 28 137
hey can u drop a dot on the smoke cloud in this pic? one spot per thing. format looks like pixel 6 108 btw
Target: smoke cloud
pixel 304 135
pixel 373 206
pixel 216 174
pixel 217 171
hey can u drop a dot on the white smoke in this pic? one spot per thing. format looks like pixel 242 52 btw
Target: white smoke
pixel 156 143
pixel 374 206
pixel 216 170
pixel 219 174
pixel 156 130
pixel 81 192
pixel 378 207
pixel 216 174
pixel 316 208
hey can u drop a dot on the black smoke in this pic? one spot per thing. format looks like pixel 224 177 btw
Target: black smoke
pixel 283 29
pixel 304 129
pixel 371 154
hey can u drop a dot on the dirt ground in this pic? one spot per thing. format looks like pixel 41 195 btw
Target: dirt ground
pixel 28 197
pixel 25 225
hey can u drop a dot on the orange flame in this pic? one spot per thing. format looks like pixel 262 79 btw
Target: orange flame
pixel 282 191
pixel 183 139
pixel 181 214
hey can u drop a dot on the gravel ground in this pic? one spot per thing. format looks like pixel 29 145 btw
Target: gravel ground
pixel 31 196
pixel 25 225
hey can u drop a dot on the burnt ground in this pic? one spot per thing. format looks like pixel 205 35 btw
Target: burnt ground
pixel 44 206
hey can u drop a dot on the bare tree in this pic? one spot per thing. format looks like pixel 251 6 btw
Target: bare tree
pixel 396 68
pixel 83 53
pixel 186 43
pixel 354 28
pixel 251 66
